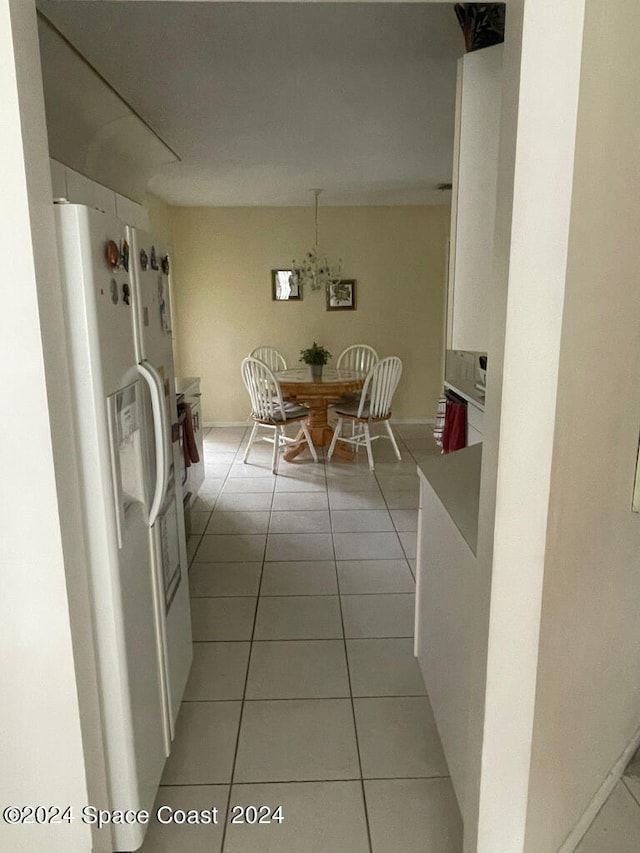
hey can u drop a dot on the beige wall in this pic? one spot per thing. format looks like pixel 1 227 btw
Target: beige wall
pixel 160 226
pixel 588 693
pixel 223 258
pixel 159 218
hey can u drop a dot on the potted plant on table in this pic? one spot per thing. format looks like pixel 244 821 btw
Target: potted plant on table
pixel 316 357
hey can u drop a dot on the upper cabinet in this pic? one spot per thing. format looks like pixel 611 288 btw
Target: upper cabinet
pixel 69 185
pixel 473 205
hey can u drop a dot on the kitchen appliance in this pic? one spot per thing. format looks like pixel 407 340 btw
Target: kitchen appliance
pixel 135 539
pixel 149 266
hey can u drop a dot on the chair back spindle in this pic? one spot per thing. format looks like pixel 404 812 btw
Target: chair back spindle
pixel 270 356
pixel 379 387
pixel 266 397
pixel 360 357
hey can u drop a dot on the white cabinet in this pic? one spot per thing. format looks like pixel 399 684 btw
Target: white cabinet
pixel 446 568
pixel 475 428
pixel 473 206
pixel 131 212
pixel 69 185
pixel 82 190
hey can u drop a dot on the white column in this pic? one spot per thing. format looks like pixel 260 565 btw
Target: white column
pixel 42 753
pixel 541 144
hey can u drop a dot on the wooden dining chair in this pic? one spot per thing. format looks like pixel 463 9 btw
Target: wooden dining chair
pixel 270 411
pixel 271 357
pixel 373 407
pixel 360 357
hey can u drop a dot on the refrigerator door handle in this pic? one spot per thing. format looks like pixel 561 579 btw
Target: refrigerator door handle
pixel 156 389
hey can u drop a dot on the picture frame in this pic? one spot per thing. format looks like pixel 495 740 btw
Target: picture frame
pixel 281 288
pixel 342 295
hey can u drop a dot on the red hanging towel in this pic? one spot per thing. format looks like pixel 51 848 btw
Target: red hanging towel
pixel 189 446
pixel 454 435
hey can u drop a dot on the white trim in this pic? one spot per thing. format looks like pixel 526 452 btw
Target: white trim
pixel 534 282
pixel 226 423
pixel 600 797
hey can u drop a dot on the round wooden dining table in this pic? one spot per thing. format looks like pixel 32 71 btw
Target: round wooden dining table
pixel 297 384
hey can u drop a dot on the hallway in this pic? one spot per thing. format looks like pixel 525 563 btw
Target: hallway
pixel 304 692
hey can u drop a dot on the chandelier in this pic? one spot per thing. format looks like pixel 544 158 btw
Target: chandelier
pixel 315 269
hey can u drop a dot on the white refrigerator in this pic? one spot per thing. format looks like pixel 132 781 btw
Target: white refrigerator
pixel 135 534
pixel 149 266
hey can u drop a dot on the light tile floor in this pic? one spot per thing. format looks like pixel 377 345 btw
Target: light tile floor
pixel 304 691
pixel 616 828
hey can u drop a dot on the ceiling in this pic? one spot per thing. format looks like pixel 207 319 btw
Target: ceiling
pixel 263 101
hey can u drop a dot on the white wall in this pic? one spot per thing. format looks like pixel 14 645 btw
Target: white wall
pixel 222 276
pixel 558 587
pixel 588 691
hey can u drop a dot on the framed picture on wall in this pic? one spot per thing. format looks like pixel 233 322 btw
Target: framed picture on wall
pixel 282 288
pixel 342 295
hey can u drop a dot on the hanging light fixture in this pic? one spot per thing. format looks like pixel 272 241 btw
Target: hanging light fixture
pixel 315 270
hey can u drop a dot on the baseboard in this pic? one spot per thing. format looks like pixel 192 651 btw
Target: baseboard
pixel 401 421
pixel 397 421
pixel 600 798
pixel 207 424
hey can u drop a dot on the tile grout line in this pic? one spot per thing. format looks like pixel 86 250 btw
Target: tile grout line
pixel 252 639
pixel 408 560
pixel 244 692
pixel 304 781
pixel 215 501
pixel 300 594
pixel 353 709
pixel 626 785
pixel 308 698
pixel 384 498
pixel 190 564
pixel 310 639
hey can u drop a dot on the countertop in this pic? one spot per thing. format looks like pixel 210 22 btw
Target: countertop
pixel 467 390
pixel 455 478
pixel 184 383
